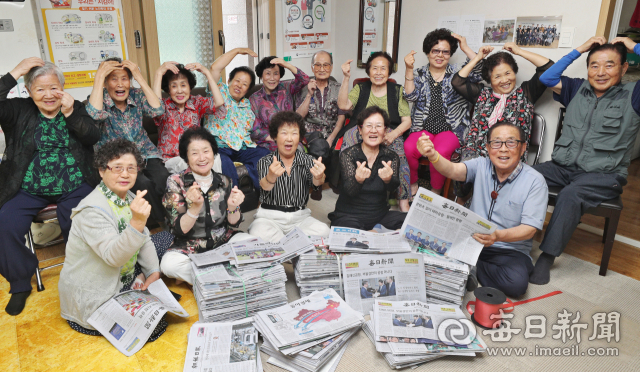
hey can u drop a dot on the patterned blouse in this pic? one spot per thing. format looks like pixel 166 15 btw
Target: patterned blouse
pixel 173 123
pixel 323 109
pixel 232 126
pixel 212 228
pixel 53 170
pixel 114 123
pixel 455 106
pixel 265 105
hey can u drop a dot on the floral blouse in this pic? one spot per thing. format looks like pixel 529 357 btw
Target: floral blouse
pixel 212 228
pixel 265 105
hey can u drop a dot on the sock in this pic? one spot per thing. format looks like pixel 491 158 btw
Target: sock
pixel 541 272
pixel 17 302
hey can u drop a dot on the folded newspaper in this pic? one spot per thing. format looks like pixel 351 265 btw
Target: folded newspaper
pixel 344 239
pixel 440 225
pixel 128 318
pixel 224 293
pixel 318 269
pixel 306 322
pixel 445 279
pixel 221 254
pixel 252 255
pixel 370 277
pixel 222 347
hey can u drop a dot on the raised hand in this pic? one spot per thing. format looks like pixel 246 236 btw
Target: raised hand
pixel 425 147
pixel 168 66
pixel 386 172
pixel 67 102
pixel 410 60
pixel 484 51
pixel 106 68
pixel 135 70
pixel 25 65
pixel 197 67
pixel 275 170
pixel 630 44
pixel 346 68
pixel 311 87
pixel 140 208
pixel 461 40
pixel 591 43
pixel 318 169
pixel 248 51
pixel 362 172
pixel 512 47
pixel 194 194
pixel 236 197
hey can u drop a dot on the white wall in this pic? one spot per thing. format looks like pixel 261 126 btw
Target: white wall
pixel 23 41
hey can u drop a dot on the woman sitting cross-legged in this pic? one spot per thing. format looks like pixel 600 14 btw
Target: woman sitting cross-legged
pixel 109 248
pixel 369 172
pixel 285 177
pixel 202 205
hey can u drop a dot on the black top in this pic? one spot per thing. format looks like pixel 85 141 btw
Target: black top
pixel 370 197
pixel 532 88
pixel 18 120
pixel 436 121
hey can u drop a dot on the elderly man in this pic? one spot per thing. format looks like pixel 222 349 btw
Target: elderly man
pixel 591 158
pixel 317 103
pixel 507 192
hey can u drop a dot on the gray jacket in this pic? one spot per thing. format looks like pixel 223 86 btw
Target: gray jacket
pixel 95 253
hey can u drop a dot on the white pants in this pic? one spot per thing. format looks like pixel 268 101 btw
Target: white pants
pixel 271 225
pixel 178 265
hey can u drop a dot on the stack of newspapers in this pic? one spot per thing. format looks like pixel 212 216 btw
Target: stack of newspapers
pixel 407 333
pixel 223 347
pixel 348 240
pixel 318 269
pixel 305 334
pixel 224 293
pixel 446 279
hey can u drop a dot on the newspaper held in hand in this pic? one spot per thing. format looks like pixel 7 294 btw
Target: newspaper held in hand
pixel 345 239
pixel 223 347
pixel 438 224
pixel 392 277
pixel 128 318
pixel 256 255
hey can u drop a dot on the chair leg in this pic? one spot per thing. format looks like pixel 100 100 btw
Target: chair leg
pixel 38 277
pixel 606 227
pixel 610 234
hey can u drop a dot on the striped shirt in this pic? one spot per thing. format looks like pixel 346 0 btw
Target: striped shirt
pixel 290 190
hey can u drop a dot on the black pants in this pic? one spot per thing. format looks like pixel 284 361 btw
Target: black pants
pixel 153 178
pixel 504 269
pixel 581 190
pixel 392 220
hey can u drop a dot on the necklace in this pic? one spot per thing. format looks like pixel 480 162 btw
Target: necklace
pixel 435 80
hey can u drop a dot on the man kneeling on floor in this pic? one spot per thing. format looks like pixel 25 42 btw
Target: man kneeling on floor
pixel 507 192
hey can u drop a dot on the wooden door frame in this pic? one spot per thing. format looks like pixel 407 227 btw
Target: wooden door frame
pixel 606 17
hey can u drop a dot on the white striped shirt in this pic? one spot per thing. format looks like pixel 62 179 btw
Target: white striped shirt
pixel 290 190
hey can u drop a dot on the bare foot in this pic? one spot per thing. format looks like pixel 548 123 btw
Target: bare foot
pixel 178 281
pixel 414 188
pixel 403 205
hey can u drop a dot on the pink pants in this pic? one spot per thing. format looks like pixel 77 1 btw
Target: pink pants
pixel 445 143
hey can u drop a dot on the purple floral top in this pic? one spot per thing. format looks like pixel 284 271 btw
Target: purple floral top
pixel 266 105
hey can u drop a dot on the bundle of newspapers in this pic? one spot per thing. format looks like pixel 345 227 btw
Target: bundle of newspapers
pixel 223 347
pixel 224 293
pixel 306 333
pixel 446 279
pixel 409 333
pixel 318 269
pixel 348 240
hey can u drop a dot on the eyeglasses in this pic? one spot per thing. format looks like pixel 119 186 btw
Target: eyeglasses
pixel 369 127
pixel 119 169
pixel 511 144
pixel 319 66
pixel 435 52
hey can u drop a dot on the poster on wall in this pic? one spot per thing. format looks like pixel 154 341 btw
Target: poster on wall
pixel 538 32
pixel 372 28
pixel 307 27
pixel 469 26
pixel 498 31
pixel 80 34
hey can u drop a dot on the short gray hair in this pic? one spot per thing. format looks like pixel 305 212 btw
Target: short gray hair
pixel 313 57
pixel 48 69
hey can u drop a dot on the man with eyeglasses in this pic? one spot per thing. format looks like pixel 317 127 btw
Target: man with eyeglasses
pixel 509 193
pixel 317 103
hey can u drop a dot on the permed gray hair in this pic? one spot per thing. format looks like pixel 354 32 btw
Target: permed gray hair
pixel 313 57
pixel 48 69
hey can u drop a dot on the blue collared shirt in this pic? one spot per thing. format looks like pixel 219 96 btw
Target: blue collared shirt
pixel 522 199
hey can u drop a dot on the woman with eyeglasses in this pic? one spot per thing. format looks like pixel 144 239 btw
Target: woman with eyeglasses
pixel 109 248
pixel 369 171
pixel 438 110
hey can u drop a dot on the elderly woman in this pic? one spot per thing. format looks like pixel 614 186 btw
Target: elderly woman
pixel 109 249
pixel 50 140
pixel 182 110
pixel 369 172
pixel 273 97
pixel 438 110
pixel 202 205
pixel 389 96
pixel 503 100
pixel 285 177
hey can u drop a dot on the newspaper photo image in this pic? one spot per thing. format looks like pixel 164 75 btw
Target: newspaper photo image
pixel 344 239
pixel 128 319
pixel 261 254
pixel 368 277
pixel 439 220
pixel 223 347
